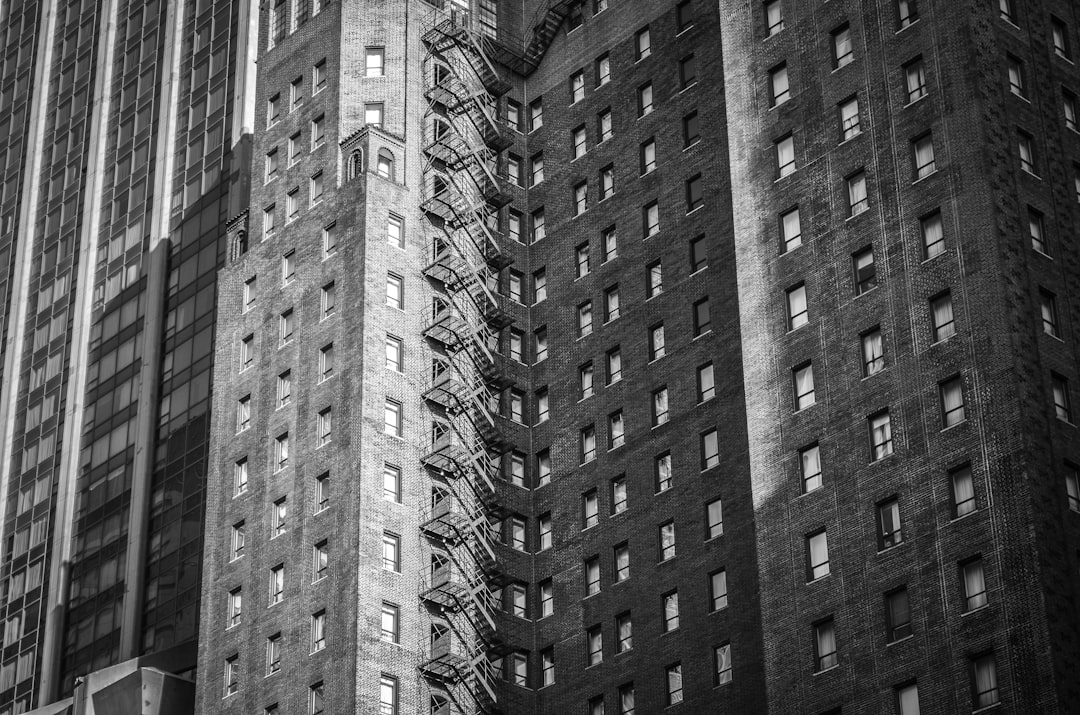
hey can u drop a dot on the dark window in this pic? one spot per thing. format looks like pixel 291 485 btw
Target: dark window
pixel 897 615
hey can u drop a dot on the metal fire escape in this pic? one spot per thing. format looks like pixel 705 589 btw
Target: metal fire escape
pixel 461 198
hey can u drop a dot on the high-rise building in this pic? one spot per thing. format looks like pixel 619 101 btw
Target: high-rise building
pixel 620 355
pixel 122 137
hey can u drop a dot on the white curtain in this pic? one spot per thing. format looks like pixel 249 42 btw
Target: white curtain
pixel 943 314
pixel 792 229
pixel 952 399
pixel 811 462
pixel 974 585
pixel 857 192
pixel 924 155
pixel 986 681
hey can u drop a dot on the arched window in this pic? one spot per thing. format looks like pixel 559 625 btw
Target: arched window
pixel 386 164
pixel 240 246
pixel 356 164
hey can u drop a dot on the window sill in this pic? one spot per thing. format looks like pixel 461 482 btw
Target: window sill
pixel 852 138
pixel 961 423
pixel 900 640
pixel 988 707
pixel 887 549
pixel 701 334
pixel 695 210
pixel 924 177
pixel 1030 173
pixel 819 579
pixel 876 372
pixel 981 608
pixel 854 216
pixel 826 670
pixel 955 519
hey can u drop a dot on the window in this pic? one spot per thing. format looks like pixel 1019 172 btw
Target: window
pixel 1060 34
pixel 890 532
pixel 277 584
pixel 281 452
pixel 718 590
pixel 322 492
pixel 825 645
pixel 706 386
pixel 603 125
pixel 513 280
pixel 547 667
pixel 329 242
pixel 243 413
pixel 941 317
pixel 547 598
pixel 388 695
pixel 273 109
pixel 1035 229
pixel 536 171
pixel 514 600
pixel 292 204
pixel 318 631
pixel 908 12
pixel 810 468
pixel 579 145
pixel 519 669
pixel 544 532
pixel 273 653
pixel 856 191
pixel 240 477
pixel 536 114
pixel 582 253
pixel 654 283
pixel 622 562
pixel 648 156
pixel 538 230
pixel 907 699
pixel 798 315
pixel 915 79
pixel 278 517
pixel 687 71
pixel 785 156
pixel 395 294
pixel 849 119
pixel 963 491
pixel 609 241
pixel 373 114
pixel 695 198
pixel 722 663
pixel 667 541
pixel 702 319
pixel 318 138
pixel 864 269
pixel 626 699
pixel 594 639
pixel 607 182
pixel 585 380
pixel 714 519
pixel 326 362
pixel 872 352
pixel 691 129
pixel 1016 75
pixel 842 49
pixel 618 495
pixel 611 304
pixel 603 69
pixel 973 582
pixel 391 615
pixel 779 84
pixel 881 443
pixel 923 152
pixel 645 99
pixel 232 675
pixel 588 444
pixel 803 384
pixel 623 632
pixel 1005 8
pixel 320 561
pixel 391 552
pixel 543 411
pixel 614 365
pixel 392 418
pixel 933 234
pixel 674 683
pixel 328 299
pixel 774 17
pixel 642 44
pixel 540 344
pixel 584 314
pixel 897 615
pixel 577 87
pixel 592 576
pixel 590 505
pixel 952 402
pixel 395 236
pixel 394 353
pixel 817 556
pixel 374 58
pixel 513 115
pixel 1026 147
pixel 271 165
pixel 684 15
pixel 517 533
pixel 249 293
pixel 670 609
pixel 285 326
pixel 294 148
pixel 296 93
pixel 1062 407
pixel 513 230
pixel 581 193
pixel 710 449
pixel 984 685
pixel 1069 105
pixel 235 606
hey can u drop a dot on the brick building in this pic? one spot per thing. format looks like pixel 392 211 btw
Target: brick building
pixel 567 361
